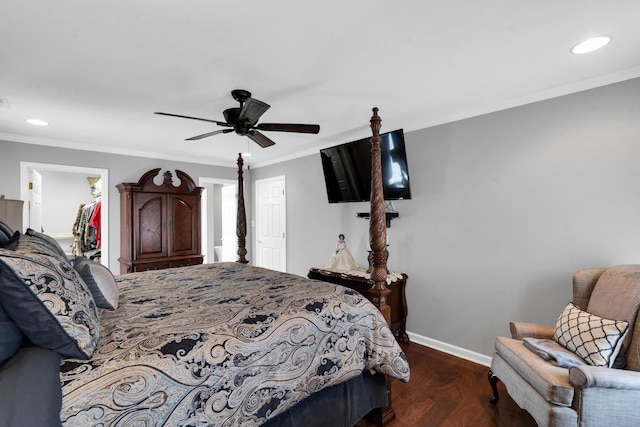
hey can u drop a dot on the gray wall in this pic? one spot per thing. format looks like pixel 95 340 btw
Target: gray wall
pixel 62 195
pixel 506 206
pixel 121 169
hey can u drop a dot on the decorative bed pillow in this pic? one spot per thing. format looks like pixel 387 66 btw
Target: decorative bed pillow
pixel 47 241
pixel 48 301
pixel 596 339
pixel 29 244
pixel 5 232
pixel 12 242
pixel 10 337
pixel 100 281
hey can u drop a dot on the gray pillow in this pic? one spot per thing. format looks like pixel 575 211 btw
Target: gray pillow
pixel 10 337
pixel 49 302
pixel 5 232
pixel 11 242
pixel 100 281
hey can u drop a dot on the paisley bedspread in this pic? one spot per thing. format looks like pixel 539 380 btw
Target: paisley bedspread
pixel 223 344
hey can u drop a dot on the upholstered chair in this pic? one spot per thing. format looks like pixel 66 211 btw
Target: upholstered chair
pixel 585 370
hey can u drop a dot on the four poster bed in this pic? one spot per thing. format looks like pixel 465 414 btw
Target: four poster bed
pixel 213 344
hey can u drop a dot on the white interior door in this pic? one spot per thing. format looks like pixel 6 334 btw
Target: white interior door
pixel 35 201
pixel 271 224
pixel 229 238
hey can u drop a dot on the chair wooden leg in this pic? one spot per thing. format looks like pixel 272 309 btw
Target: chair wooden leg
pixel 493 380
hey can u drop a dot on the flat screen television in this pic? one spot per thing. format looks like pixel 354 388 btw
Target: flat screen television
pixel 347 169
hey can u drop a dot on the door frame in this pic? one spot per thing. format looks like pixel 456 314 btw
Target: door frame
pixel 204 210
pixel 25 168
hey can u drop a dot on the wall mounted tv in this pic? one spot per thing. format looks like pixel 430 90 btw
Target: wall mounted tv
pixel 347 169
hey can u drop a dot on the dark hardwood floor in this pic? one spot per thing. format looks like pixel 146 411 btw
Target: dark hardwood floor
pixel 445 390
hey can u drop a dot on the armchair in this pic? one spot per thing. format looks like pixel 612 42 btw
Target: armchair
pixel 567 394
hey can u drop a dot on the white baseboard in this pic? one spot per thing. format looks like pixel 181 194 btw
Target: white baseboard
pixel 451 349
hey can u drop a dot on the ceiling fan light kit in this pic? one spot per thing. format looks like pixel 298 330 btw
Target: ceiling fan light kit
pixel 243 120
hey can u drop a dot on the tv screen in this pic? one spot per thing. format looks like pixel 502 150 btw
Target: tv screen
pixel 347 169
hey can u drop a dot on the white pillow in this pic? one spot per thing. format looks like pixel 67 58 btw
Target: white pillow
pixel 595 339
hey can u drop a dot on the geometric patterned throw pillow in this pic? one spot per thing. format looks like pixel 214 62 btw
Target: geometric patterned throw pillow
pixel 595 339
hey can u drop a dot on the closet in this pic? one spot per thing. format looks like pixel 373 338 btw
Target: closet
pixel 87 228
pixel 159 224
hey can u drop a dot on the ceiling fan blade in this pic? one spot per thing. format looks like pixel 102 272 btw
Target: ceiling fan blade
pixel 260 139
pixel 195 118
pixel 204 135
pixel 252 110
pixel 288 127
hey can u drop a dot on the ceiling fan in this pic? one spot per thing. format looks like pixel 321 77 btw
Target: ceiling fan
pixel 244 121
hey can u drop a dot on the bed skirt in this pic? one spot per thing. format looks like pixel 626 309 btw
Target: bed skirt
pixel 341 405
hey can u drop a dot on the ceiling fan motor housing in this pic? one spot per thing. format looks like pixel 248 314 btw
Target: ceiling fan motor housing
pixel 231 115
pixel 241 127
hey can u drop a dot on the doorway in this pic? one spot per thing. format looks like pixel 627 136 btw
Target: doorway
pixel 271 223
pixel 218 219
pixel 37 213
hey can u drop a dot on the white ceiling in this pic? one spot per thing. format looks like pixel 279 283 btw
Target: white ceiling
pixel 97 70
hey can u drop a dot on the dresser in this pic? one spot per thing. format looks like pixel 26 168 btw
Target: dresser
pixel 11 213
pixel 360 281
pixel 159 223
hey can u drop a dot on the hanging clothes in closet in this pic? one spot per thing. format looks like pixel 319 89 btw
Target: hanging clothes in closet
pixel 86 231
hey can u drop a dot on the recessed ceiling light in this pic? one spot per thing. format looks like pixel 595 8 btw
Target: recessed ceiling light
pixel 591 44
pixel 37 122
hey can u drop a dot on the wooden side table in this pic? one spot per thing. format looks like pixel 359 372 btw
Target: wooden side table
pixel 360 281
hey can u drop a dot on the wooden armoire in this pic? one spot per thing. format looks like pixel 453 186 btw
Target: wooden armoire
pixel 159 224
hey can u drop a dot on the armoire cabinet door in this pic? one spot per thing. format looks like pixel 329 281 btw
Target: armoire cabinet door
pixel 184 218
pixel 149 240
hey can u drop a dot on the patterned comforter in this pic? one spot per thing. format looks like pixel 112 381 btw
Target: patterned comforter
pixel 223 344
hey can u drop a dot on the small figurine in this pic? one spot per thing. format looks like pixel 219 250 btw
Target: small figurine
pixel 342 259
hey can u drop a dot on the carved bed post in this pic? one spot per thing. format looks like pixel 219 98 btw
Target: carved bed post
pixel 377 225
pixel 378 243
pixel 241 217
